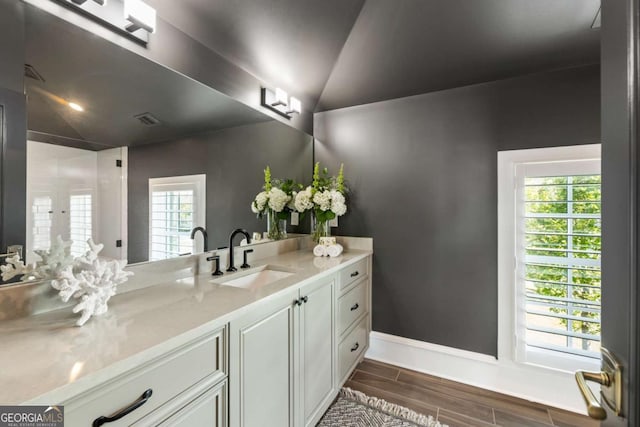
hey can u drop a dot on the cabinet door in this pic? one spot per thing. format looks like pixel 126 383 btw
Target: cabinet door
pixel 262 364
pixel 317 349
pixel 207 410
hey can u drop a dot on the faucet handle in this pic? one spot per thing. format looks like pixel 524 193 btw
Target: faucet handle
pixel 217 271
pixel 244 264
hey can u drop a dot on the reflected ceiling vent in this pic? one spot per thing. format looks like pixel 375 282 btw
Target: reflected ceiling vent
pixel 32 73
pixel 148 119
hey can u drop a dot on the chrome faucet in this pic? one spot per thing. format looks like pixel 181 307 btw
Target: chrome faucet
pixel 204 236
pixel 235 232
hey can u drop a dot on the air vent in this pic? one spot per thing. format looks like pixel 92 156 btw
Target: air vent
pixel 32 73
pixel 148 119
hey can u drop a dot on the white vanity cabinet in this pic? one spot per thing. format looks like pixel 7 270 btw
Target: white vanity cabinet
pixel 283 358
pixel 185 387
pixel 354 316
pixel 280 361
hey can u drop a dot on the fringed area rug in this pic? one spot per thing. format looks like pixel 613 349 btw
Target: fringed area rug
pixel 355 409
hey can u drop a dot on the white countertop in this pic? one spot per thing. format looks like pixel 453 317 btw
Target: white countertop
pixel 45 359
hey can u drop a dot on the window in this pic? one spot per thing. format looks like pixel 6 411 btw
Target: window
pixel 176 206
pixel 551 223
pixel 41 223
pixel 80 215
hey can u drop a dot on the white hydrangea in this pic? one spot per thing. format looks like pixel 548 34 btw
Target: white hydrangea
pixel 291 205
pixel 260 202
pixel 303 200
pixel 338 205
pixel 323 200
pixel 278 199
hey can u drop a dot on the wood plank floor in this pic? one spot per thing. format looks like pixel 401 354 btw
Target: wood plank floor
pixel 456 404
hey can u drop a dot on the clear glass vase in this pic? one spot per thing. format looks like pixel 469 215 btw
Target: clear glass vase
pixel 276 227
pixel 319 228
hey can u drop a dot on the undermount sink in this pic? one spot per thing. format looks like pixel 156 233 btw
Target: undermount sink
pixel 257 277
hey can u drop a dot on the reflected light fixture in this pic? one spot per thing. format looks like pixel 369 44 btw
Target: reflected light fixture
pixel 75 106
pixel 133 19
pixel 279 102
pixel 295 107
pixel 140 15
pixel 281 98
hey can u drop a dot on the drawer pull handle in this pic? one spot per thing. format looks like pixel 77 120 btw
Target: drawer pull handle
pixel 354 307
pixel 355 273
pixel 355 347
pixel 123 412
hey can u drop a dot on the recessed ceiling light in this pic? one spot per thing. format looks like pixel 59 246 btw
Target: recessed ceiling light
pixel 75 106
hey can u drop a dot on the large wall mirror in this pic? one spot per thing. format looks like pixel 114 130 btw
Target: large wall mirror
pixel 135 155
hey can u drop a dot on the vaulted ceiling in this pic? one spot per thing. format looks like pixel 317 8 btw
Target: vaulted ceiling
pixel 338 53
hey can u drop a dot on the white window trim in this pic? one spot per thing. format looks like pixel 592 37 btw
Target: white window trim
pixel 195 182
pixel 507 298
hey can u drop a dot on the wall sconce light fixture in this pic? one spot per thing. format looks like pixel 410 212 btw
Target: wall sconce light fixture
pixel 140 15
pixel 279 102
pixel 295 106
pixel 133 19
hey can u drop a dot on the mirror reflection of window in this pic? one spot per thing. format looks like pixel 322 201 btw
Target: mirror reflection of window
pixel 41 223
pixel 177 205
pixel 80 222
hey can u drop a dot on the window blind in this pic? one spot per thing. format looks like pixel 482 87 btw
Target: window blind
pixel 41 208
pixel 558 265
pixel 172 218
pixel 80 214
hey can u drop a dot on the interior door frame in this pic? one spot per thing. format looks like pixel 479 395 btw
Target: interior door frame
pixel 621 198
pixel 13 159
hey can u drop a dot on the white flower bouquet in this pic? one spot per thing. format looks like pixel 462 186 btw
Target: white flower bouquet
pixel 325 198
pixel 276 201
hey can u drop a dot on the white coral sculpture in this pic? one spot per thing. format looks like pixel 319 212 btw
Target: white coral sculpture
pixel 52 263
pixel 88 278
pixel 91 280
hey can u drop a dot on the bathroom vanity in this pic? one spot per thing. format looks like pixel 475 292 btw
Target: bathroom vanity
pixel 192 351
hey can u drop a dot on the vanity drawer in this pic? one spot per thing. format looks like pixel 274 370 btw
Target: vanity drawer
pixel 352 347
pixel 352 273
pixel 166 378
pixel 352 305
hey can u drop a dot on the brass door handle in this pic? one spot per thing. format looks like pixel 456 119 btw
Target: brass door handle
pixel 594 408
pixel 610 380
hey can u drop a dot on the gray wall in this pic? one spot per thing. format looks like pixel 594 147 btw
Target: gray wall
pixel 12 126
pixel 423 176
pixel 233 160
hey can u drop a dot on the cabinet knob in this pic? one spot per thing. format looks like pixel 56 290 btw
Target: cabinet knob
pixel 305 299
pixel 123 412
pixel 355 347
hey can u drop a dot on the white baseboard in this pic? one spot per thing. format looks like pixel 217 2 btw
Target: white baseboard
pixel 553 388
